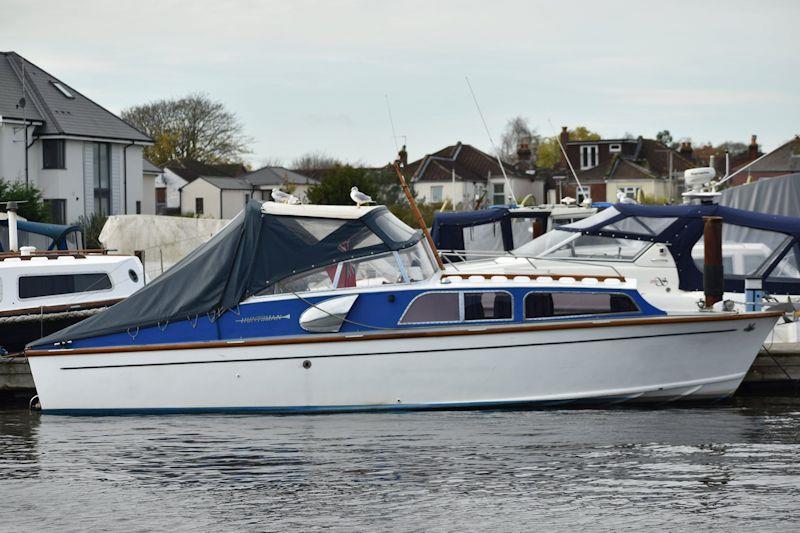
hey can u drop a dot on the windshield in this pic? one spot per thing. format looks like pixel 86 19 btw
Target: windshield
pixel 541 244
pixel 595 220
pixel 560 244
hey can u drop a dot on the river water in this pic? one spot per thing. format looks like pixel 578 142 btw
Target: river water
pixel 714 467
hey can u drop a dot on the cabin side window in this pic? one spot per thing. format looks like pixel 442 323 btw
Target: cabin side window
pixel 39 286
pixel 487 305
pixel 556 304
pixel 433 307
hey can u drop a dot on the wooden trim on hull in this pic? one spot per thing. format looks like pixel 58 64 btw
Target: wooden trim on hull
pixel 47 309
pixel 410 333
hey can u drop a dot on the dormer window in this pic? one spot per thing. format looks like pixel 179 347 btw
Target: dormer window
pixel 63 89
pixel 614 148
pixel 588 156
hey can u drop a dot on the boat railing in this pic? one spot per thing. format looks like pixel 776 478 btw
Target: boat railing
pixel 587 279
pixel 52 254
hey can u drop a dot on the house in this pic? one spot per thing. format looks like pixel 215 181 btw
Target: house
pixel 268 178
pixel 225 196
pixel 150 173
pixel 83 158
pixel 785 159
pixel 178 174
pixel 633 167
pixel 715 156
pixel 462 174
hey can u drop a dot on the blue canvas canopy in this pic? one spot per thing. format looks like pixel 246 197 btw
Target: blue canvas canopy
pixel 43 236
pixel 448 227
pixel 681 227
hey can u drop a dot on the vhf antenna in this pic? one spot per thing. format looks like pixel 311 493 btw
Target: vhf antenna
pixel 491 141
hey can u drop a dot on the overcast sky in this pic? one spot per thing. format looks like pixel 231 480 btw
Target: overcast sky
pixel 305 75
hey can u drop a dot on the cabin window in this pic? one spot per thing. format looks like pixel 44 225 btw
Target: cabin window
pixel 394 228
pixel 745 251
pixel 487 305
pixel 582 246
pixel 789 267
pixel 53 155
pixel 433 307
pixel 417 262
pixel 577 303
pixel 649 226
pixel 101 153
pixel 437 192
pixel 588 156
pixel 38 286
pixel 320 279
pixel 372 272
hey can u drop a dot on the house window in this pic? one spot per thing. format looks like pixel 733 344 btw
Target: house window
pixel 101 152
pixel 583 194
pixel 58 210
pixel 198 206
pixel 614 148
pixel 63 89
pixel 437 192
pixel 498 193
pixel 161 195
pixel 53 153
pixel 588 156
pixel 630 192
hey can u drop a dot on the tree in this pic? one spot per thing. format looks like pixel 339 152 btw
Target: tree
pixel 194 127
pixel 33 208
pixel 549 152
pixel 664 137
pixel 314 161
pixel 517 131
pixel 335 188
pixel 735 148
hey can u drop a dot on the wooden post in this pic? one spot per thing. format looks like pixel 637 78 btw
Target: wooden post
pixel 713 275
pixel 418 215
pixel 538 230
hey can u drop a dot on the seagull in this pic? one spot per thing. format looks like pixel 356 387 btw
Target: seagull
pixel 359 197
pixel 284 197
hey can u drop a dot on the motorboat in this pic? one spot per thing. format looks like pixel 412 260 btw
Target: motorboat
pixel 500 228
pixel 662 248
pixel 307 308
pixel 44 290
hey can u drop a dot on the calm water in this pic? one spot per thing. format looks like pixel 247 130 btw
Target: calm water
pixel 721 467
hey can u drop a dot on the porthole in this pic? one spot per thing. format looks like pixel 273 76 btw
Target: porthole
pixel 133 275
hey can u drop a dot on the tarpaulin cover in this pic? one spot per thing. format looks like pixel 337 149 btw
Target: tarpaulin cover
pixel 686 229
pixel 777 196
pixel 249 254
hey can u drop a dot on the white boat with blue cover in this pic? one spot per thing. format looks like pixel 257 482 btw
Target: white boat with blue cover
pixel 330 308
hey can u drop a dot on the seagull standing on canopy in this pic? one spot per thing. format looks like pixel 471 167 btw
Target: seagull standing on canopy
pixel 284 197
pixel 359 197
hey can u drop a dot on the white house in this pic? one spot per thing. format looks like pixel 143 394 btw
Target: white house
pixel 81 156
pixel 462 174
pixel 225 196
pixel 150 174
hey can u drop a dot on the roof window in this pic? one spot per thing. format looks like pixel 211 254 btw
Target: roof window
pixel 63 89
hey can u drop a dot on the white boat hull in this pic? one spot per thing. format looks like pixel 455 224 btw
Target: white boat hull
pixel 658 360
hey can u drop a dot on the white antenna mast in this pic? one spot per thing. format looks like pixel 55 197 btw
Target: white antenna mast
pixel 563 151
pixel 491 141
pixel 391 121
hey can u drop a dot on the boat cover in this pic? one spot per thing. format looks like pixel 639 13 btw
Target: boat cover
pixel 448 227
pixel 249 254
pixel 681 227
pixel 42 235
pixel 778 196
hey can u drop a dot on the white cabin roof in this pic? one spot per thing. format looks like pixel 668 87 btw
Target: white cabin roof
pixel 346 212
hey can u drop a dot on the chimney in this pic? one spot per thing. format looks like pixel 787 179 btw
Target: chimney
pixel 524 150
pixel 752 150
pixel 402 156
pixel 686 150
